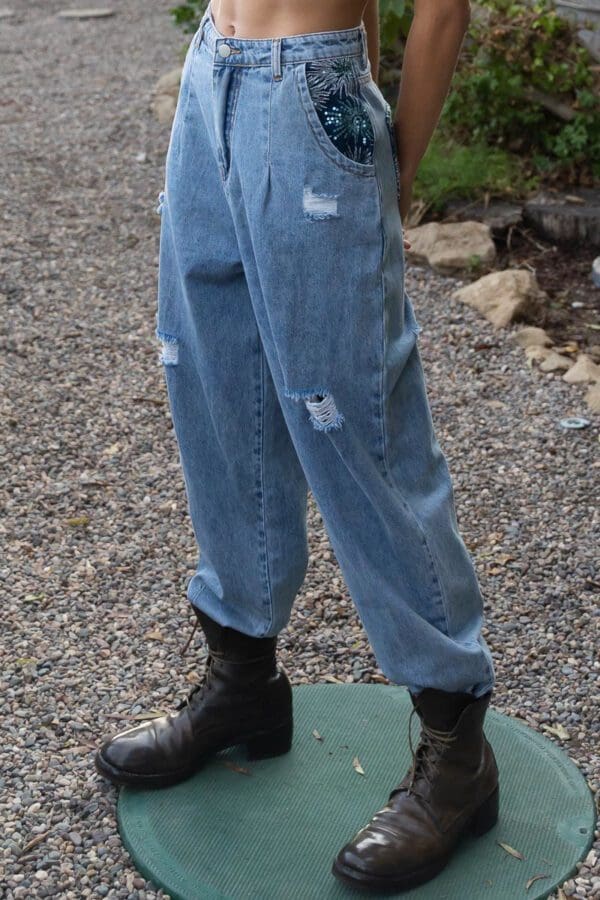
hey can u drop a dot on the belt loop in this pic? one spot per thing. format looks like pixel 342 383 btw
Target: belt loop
pixel 276 58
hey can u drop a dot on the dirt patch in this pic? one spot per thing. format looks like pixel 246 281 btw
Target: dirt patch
pixel 564 273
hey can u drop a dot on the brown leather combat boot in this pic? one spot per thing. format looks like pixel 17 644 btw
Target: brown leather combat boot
pixel 451 789
pixel 244 698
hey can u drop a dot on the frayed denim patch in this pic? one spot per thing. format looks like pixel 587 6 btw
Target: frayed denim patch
pixel 324 415
pixel 319 206
pixel 335 92
pixel 169 349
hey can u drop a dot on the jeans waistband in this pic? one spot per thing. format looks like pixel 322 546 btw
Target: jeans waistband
pixel 277 52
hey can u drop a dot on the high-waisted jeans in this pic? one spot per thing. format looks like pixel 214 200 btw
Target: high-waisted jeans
pixel 290 351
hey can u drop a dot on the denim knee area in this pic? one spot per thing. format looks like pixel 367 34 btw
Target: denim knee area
pixel 290 351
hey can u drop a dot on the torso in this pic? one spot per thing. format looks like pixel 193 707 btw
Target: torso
pixel 278 18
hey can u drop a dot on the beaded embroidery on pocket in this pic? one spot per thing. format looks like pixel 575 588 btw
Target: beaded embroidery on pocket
pixel 335 92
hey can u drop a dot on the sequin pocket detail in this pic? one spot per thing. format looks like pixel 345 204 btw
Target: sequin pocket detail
pixel 338 112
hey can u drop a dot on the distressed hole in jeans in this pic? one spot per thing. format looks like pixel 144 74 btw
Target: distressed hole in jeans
pixel 169 349
pixel 324 414
pixel 319 206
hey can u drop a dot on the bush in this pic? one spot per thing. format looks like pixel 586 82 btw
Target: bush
pixel 450 170
pixel 187 15
pixel 524 83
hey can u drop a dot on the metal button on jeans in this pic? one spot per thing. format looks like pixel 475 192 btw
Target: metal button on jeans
pixel 224 49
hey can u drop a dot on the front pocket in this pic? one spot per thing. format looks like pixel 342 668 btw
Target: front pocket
pixel 338 114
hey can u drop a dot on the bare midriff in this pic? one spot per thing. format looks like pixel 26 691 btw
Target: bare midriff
pixel 281 18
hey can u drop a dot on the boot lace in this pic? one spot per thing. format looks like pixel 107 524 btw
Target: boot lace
pixel 197 692
pixel 430 748
pixel 206 684
pixel 189 640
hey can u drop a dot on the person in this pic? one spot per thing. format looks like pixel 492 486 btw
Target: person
pixel 291 356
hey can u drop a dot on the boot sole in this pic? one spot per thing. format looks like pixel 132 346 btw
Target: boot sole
pixel 482 820
pixel 260 745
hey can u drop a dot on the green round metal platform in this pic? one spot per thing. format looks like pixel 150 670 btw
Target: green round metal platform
pixel 270 829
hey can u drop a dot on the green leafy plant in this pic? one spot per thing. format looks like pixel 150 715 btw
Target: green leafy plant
pixel 187 15
pixel 523 83
pixel 394 22
pixel 450 169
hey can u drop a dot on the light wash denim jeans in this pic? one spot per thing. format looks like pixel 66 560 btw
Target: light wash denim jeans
pixel 290 352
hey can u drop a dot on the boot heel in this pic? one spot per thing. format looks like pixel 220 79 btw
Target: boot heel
pixel 486 816
pixel 271 743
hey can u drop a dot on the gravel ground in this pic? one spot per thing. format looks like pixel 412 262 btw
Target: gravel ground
pixel 99 544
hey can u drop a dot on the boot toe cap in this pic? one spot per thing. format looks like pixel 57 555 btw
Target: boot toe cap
pixel 375 853
pixel 134 752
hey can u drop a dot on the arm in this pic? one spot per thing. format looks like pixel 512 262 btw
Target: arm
pixel 430 56
pixel 370 18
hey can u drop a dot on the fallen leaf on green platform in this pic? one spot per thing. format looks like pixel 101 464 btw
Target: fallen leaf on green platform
pixel 511 850
pixel 236 768
pixel 357 766
pixel 534 878
pixel 316 735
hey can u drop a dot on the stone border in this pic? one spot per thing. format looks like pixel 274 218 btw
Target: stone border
pixel 503 297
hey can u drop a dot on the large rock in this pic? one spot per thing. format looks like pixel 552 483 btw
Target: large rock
pixel 451 247
pixel 531 336
pixel 592 398
pixel 583 370
pixel 590 39
pixel 503 297
pixel 566 217
pixel 165 94
pixel 554 362
pixel 579 10
pixel 549 360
